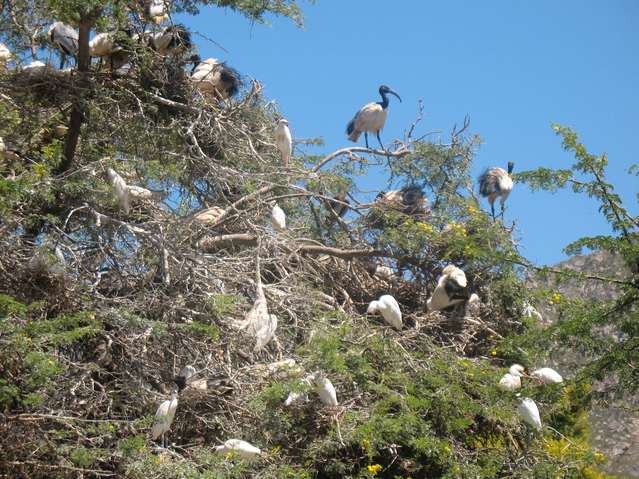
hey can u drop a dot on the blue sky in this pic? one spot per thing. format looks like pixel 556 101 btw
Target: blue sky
pixel 514 66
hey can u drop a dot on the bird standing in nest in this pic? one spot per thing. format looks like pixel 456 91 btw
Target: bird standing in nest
pixel 496 183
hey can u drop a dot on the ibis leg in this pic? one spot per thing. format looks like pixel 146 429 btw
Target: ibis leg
pixel 62 59
pixel 366 138
pixel 492 209
pixel 380 141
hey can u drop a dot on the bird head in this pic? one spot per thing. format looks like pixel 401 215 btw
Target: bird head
pixel 385 89
pixel 516 370
pixel 195 59
pixel 372 307
pixel 283 121
pixel 511 166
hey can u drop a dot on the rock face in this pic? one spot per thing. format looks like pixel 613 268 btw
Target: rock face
pixel 615 431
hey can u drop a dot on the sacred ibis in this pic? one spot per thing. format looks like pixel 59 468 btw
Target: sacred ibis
pixel 164 417
pixel 258 321
pixel 237 447
pixel 65 38
pixel 529 413
pixel 547 376
pixel 389 309
pixel 171 40
pixel 511 381
pixel 450 289
pixel 371 118
pixel 284 141
pixel 473 305
pixel 409 200
pixel 496 183
pixel 215 78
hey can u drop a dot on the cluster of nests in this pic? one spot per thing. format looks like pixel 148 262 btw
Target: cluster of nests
pixel 213 78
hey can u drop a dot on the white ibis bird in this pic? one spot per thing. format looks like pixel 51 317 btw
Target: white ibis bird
pixel 65 38
pixel 171 40
pixel 242 449
pixel 325 389
pixel 102 45
pixel 121 189
pixel 380 271
pixel 294 396
pixel 215 78
pixel 5 54
pixel 156 11
pixel 473 305
pixel 185 376
pixel 164 417
pixel 511 381
pixel 450 289
pixel 371 118
pixel 209 216
pixel 496 183
pixel 389 309
pixel 284 141
pixel 278 218
pixel 258 321
pixel 529 412
pixel 547 376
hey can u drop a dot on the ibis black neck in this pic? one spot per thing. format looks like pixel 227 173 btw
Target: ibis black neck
pixel 384 102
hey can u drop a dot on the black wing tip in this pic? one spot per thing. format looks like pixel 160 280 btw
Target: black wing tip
pixel 350 128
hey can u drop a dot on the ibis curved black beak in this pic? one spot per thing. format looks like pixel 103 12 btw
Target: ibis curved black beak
pixel 394 94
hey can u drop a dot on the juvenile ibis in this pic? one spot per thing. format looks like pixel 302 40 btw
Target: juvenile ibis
pixel 529 413
pixel 389 309
pixel 65 38
pixel 371 118
pixel 473 305
pixel 215 78
pixel 210 215
pixel 258 321
pixel 380 271
pixel 409 200
pixel 496 183
pixel 547 376
pixel 450 289
pixel 164 417
pixel 284 141
pixel 511 381
pixel 184 377
pixel 242 449
pixel 121 189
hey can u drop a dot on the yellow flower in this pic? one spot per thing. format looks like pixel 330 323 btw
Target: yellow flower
pixel 366 444
pixel 426 228
pixel 374 469
pixel 600 457
pixel 493 353
pixel 556 298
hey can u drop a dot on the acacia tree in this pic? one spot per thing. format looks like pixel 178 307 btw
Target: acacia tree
pixel 103 302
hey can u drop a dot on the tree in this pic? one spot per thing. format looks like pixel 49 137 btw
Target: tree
pixel 109 290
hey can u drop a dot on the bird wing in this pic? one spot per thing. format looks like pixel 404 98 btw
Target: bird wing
pixel 67 38
pixel 370 118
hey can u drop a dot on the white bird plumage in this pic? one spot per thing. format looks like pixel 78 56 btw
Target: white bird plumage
pixel 529 413
pixel 449 289
pixel 209 216
pixel 511 381
pixel 35 67
pixel 284 141
pixel 531 312
pixel 5 54
pixel 473 305
pixel 65 38
pixel 496 183
pixel 155 10
pixel 164 417
pixel 371 118
pixel 294 396
pixel 389 309
pixel 258 321
pixel 278 218
pixel 103 45
pixel 215 79
pixel 325 389
pixel 547 376
pixel 121 189
pixel 243 449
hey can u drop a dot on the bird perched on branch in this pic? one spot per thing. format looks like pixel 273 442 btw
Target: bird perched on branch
pixel 547 376
pixel 278 218
pixel 450 289
pixel 530 413
pixel 215 78
pixel 171 40
pixel 164 417
pixel 127 193
pixel 284 141
pixel 409 200
pixel 496 183
pixel 511 381
pixel 65 38
pixel 112 45
pixel 5 54
pixel 371 118
pixel 155 11
pixel 389 309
